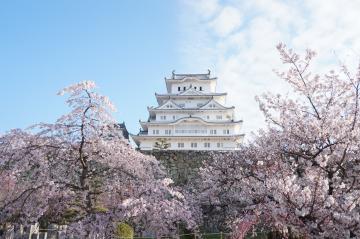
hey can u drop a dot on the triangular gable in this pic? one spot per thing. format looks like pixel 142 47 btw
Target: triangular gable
pixel 168 105
pixel 212 104
pixel 191 91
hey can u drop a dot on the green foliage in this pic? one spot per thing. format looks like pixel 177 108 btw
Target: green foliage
pixel 68 215
pixel 124 231
pixel 161 144
pixel 100 209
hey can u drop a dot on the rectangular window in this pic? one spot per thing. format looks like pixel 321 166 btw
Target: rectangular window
pixel 155 131
pixel 200 88
pixel 213 131
pixel 184 88
pixel 163 117
pixel 179 88
pixel 206 145
pixel 207 117
pixel 219 117
pixel 193 145
pixel 168 131
pixel 180 145
pixel 226 131
pixel 174 117
pixel 219 145
pixel 195 87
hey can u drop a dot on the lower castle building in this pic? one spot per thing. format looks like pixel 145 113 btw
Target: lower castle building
pixel 190 116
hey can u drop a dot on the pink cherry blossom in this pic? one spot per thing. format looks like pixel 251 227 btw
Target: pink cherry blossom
pixel 81 172
pixel 301 173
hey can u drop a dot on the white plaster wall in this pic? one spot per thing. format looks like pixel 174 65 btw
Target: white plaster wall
pixel 226 115
pixel 225 144
pixel 194 129
pixel 206 87
pixel 191 103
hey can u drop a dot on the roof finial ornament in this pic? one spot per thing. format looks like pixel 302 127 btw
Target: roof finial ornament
pixel 173 74
pixel 209 71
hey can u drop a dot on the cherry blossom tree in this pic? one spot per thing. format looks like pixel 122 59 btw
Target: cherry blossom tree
pixel 300 175
pixel 95 179
pixel 25 185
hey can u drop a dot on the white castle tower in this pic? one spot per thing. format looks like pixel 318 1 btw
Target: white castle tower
pixel 191 116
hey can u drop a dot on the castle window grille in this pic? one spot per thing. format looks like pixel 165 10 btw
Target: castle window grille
pixel 190 131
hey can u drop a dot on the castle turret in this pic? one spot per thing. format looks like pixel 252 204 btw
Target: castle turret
pixel 190 116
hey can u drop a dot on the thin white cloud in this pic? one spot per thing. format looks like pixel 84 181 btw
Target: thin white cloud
pixel 228 20
pixel 237 39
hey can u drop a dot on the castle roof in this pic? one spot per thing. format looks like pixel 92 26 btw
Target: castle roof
pixel 175 107
pixel 176 78
pixel 200 76
pixel 144 124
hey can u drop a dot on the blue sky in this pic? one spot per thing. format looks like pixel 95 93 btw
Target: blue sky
pixel 126 47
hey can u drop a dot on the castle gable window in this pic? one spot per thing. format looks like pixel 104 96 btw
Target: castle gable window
pixel 213 131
